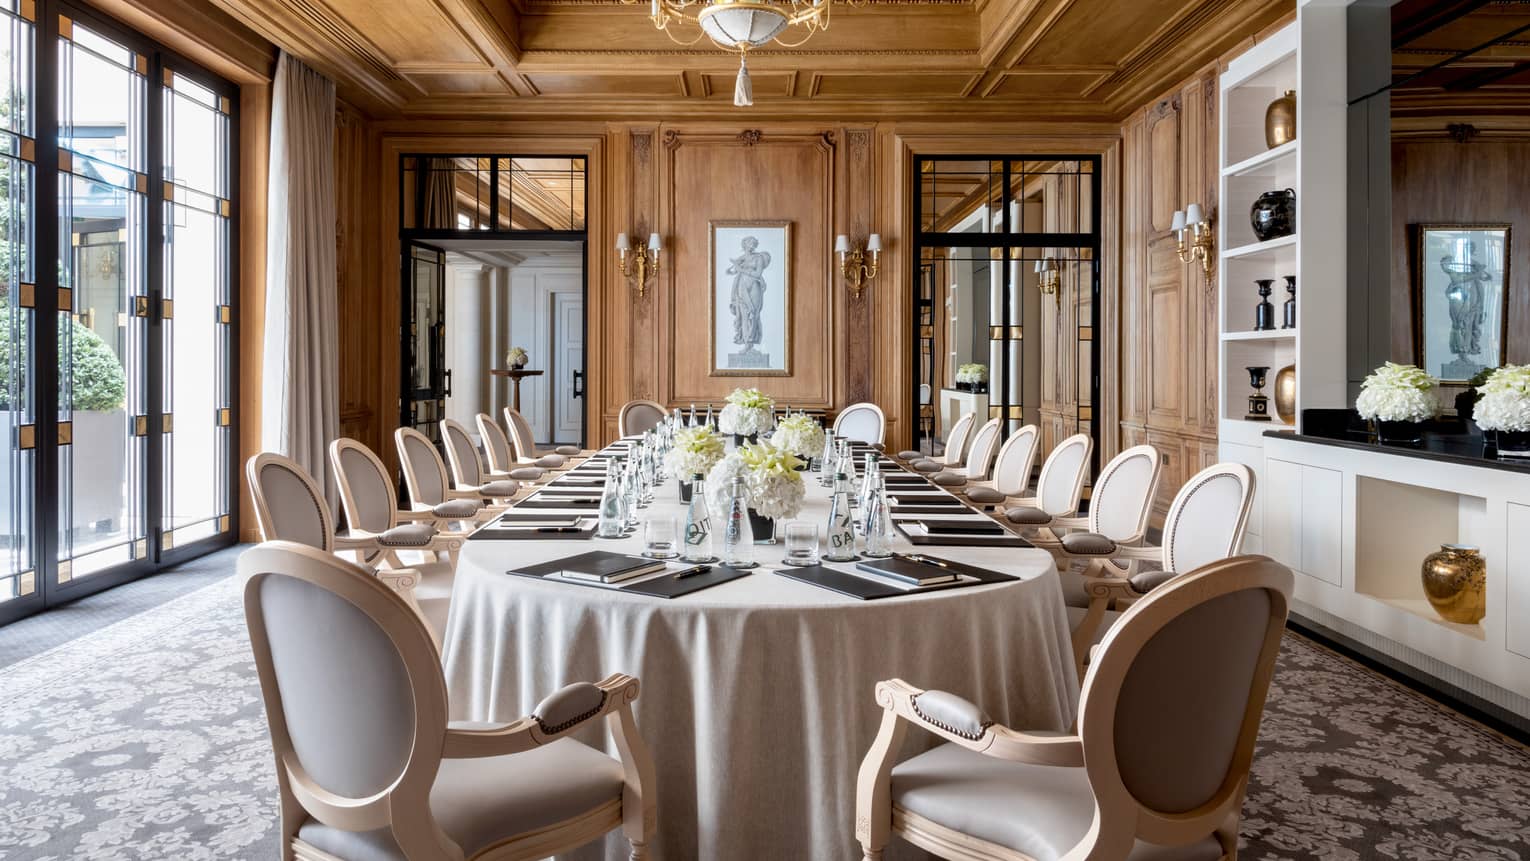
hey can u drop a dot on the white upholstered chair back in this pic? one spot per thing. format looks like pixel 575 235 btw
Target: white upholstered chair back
pixel 461 454
pixel 1062 475
pixel 956 440
pixel 354 694
pixel 520 434
pixel 863 422
pixel 1208 517
pixel 1012 467
pixel 288 503
pixel 639 416
pixel 366 493
pixel 985 444
pixel 1123 494
pixel 424 471
pixel 495 444
pixel 1172 702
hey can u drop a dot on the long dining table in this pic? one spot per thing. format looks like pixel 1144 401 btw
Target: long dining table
pixel 756 694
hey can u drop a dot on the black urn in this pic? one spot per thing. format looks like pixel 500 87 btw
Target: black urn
pixel 1273 215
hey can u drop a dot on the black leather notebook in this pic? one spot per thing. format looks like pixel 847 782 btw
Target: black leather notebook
pixel 966 526
pixel 870 589
pixel 910 571
pixel 1002 538
pixel 545 502
pixel 666 586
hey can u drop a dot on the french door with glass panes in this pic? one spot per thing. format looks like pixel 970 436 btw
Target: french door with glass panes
pixel 116 162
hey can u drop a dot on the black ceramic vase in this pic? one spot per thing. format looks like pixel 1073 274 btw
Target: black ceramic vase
pixel 1399 433
pixel 764 528
pixel 1273 215
pixel 1264 312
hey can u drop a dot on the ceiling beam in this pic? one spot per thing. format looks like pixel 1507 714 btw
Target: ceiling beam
pixel 1426 17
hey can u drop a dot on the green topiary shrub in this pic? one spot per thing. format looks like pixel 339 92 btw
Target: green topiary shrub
pixel 99 382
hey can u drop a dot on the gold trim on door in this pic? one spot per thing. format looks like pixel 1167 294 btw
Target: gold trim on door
pixel 167 309
pixel 225 417
pixel 65 27
pixel 28 295
pixel 66 433
pixel 140 425
pixel 65 299
pixel 167 423
pixel 26 437
pixel 65 571
pixel 26 582
pixel 140 306
pixel 28 151
pixel 225 314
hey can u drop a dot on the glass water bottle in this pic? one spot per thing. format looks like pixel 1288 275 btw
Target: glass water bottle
pixel 698 525
pixel 612 520
pixel 878 522
pixel 738 535
pixel 841 532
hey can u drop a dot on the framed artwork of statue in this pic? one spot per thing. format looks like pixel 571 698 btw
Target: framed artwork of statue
pixel 751 307
pixel 1460 298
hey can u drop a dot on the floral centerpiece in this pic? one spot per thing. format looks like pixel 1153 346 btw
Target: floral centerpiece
pixel 772 479
pixel 694 451
pixel 748 413
pixel 1504 407
pixel 1397 397
pixel 972 376
pixel 799 434
pixel 517 358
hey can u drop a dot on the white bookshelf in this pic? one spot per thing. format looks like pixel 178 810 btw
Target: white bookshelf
pixel 1307 56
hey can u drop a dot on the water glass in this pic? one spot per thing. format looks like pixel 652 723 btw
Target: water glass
pixel 801 543
pixel 661 538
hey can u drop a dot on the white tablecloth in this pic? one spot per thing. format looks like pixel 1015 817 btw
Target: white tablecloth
pixel 757 694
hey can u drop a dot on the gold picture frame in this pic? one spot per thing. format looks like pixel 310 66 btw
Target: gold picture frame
pixel 771 317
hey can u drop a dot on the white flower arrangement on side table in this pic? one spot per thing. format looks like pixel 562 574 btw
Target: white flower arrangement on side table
pixel 770 475
pixel 972 373
pixel 799 434
pixel 695 451
pixel 748 412
pixel 1504 407
pixel 517 357
pixel 1397 393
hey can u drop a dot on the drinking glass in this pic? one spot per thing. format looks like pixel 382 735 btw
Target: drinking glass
pixel 801 543
pixel 661 538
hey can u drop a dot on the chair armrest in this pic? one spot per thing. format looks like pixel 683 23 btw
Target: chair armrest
pixel 1071 522
pixel 1147 552
pixel 567 709
pixel 991 739
pixel 401 580
pixel 356 542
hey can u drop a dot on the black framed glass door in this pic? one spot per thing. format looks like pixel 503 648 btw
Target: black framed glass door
pixel 1005 305
pixel 426 381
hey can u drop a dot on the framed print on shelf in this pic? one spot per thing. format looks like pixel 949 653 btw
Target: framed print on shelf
pixel 749 267
pixel 1460 298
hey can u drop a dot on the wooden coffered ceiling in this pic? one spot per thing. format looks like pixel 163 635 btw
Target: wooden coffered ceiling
pixel 1488 89
pixel 1074 59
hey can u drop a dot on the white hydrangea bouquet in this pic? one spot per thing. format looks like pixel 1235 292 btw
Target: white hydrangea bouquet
pixel 694 452
pixel 1505 401
pixel 1397 393
pixel 770 475
pixel 516 358
pixel 972 373
pixel 748 412
pixel 799 434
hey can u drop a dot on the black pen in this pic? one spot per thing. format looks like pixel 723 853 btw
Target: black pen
pixel 692 572
pixel 557 529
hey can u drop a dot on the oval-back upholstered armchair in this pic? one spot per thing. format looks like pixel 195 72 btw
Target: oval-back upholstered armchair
pixel 980 456
pixel 1060 485
pixel 862 422
pixel 1011 470
pixel 526 452
pixel 639 416
pixel 429 487
pixel 956 448
pixel 468 473
pixel 368 766
pixel 1156 771
pixel 1119 506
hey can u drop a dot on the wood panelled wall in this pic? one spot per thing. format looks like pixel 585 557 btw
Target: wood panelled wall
pixel 1442 181
pixel 1168 312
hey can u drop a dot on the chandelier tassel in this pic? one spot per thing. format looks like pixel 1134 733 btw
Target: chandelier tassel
pixel 743 88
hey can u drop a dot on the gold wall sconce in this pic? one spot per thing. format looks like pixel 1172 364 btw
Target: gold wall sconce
pixel 1049 278
pixel 1193 237
pixel 640 263
pixel 852 261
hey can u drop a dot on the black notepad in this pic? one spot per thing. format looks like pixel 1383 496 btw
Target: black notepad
pixel 969 526
pixel 1002 538
pixel 909 571
pixel 667 586
pixel 544 502
pixel 870 589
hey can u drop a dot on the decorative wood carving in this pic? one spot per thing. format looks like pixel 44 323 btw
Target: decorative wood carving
pixel 750 137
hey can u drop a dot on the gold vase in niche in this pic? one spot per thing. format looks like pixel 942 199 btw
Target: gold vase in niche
pixel 1455 582
pixel 1280 120
pixel 1285 394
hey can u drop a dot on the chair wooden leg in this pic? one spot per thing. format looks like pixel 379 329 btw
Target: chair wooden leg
pixel 873 790
pixel 639 852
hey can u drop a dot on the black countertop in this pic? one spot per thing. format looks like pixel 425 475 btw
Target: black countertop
pixel 1448 441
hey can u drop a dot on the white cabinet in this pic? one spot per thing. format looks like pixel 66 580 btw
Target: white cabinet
pixel 1303 523
pixel 1517 561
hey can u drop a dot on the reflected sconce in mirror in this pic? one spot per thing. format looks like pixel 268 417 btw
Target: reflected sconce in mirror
pixel 1049 278
pixel 852 261
pixel 1193 237
pixel 641 263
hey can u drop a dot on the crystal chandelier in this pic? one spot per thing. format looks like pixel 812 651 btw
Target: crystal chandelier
pixel 742 26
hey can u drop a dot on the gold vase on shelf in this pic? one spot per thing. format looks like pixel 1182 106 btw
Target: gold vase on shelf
pixel 1285 394
pixel 1280 120
pixel 1455 582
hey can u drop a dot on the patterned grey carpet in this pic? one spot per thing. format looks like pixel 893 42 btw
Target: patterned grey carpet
pixel 146 740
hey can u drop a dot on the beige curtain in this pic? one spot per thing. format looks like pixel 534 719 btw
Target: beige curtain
pixel 301 408
pixel 441 194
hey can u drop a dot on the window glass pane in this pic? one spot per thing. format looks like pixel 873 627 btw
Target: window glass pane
pixel 101 100
pixel 542 193
pixel 196 145
pixel 18 407
pixel 103 333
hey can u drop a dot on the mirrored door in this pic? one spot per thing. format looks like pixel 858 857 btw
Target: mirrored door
pixel 426 380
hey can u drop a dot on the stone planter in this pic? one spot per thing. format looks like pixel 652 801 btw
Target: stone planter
pixel 99 451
